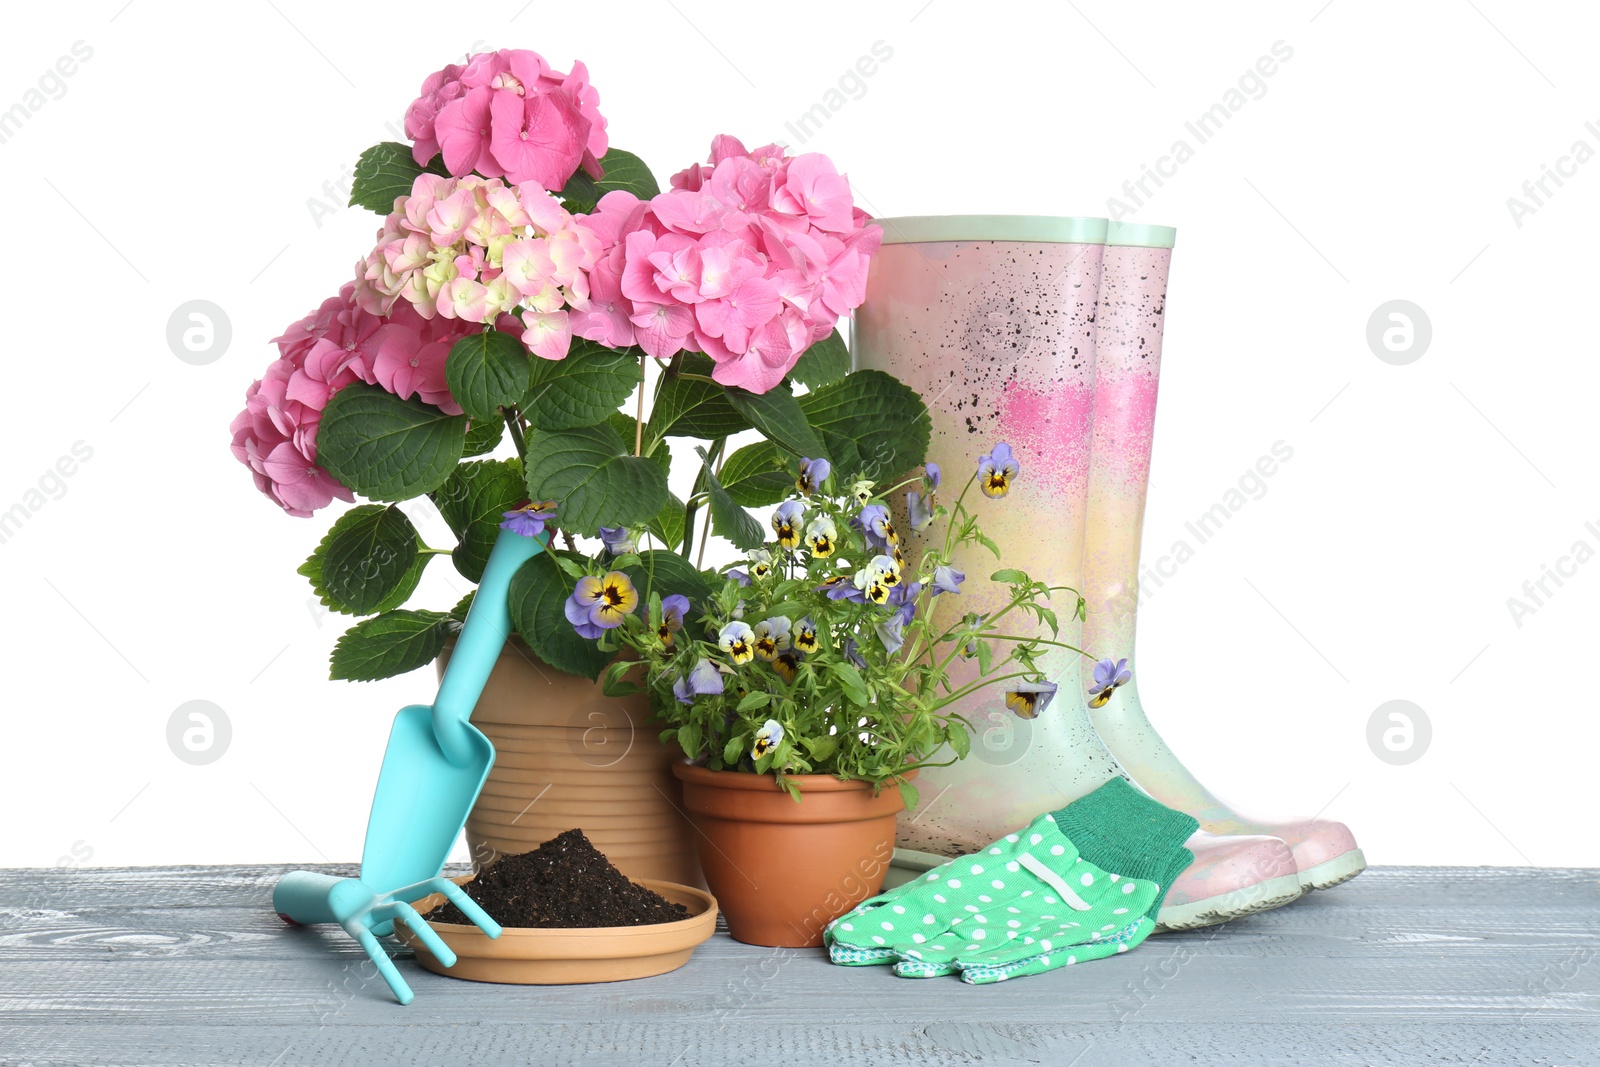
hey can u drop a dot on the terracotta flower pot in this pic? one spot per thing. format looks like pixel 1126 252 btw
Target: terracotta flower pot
pixel 781 870
pixel 567 755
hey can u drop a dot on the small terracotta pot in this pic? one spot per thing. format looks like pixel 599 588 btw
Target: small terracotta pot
pixel 568 756
pixel 783 870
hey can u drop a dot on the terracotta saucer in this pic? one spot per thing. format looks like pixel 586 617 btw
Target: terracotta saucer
pixel 535 956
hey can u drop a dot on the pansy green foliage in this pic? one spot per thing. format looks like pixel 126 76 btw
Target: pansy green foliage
pixel 830 648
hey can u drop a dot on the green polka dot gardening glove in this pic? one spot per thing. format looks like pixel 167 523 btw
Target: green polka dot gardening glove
pixel 1032 901
pixel 1021 897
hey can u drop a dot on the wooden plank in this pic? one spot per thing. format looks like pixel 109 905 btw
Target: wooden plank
pixel 612 1044
pixel 188 966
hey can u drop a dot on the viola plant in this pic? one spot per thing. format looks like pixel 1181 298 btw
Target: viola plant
pixel 831 648
pixel 528 283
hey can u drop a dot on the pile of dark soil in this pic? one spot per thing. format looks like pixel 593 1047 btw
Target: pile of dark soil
pixel 562 884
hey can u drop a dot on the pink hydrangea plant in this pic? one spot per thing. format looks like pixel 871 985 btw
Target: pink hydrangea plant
pixel 749 258
pixel 509 114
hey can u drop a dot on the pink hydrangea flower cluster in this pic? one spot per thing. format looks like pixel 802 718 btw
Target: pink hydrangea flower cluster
pixel 339 343
pixel 509 114
pixel 475 248
pixel 750 259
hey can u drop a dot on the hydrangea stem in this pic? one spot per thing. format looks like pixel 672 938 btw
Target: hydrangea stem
pixel 514 428
pixel 705 530
pixel 705 535
pixel 689 513
pixel 638 414
pixel 692 508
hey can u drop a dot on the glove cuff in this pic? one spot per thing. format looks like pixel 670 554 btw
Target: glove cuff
pixel 1119 828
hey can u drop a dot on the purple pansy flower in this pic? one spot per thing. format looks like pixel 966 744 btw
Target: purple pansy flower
pixel 889 633
pixel 786 523
pixel 813 472
pixel 997 470
pixel 772 637
pixel 600 603
pixel 1028 699
pixel 874 522
pixel 738 641
pixel 805 635
pixel 1108 676
pixel 947 579
pixel 673 609
pixel 788 665
pixel 904 597
pixel 919 510
pixel 932 476
pixel 822 536
pixel 767 738
pixel 619 540
pixel 529 519
pixel 877 579
pixel 842 587
pixel 702 680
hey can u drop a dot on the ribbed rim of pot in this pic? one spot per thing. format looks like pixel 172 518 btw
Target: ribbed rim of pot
pixel 1041 229
pixel 809 783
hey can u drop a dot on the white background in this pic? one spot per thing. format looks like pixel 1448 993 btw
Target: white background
pixel 181 162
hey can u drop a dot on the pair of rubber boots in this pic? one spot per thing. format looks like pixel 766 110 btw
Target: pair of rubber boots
pixel 1046 333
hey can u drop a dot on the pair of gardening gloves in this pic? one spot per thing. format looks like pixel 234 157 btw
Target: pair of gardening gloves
pixel 1077 884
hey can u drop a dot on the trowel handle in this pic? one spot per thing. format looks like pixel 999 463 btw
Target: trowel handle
pixel 478 646
pixel 306 897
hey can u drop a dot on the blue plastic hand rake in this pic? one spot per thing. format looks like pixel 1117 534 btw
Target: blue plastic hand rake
pixel 433 769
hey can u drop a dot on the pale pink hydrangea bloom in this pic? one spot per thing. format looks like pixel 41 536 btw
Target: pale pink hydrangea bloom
pixel 509 114
pixel 474 249
pixel 750 258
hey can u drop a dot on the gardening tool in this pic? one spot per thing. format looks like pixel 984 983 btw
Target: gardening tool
pixel 306 897
pixel 435 765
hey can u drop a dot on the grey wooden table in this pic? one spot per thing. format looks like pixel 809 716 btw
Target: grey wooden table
pixel 180 966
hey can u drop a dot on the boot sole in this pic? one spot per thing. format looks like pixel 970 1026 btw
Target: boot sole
pixel 1336 871
pixel 1251 900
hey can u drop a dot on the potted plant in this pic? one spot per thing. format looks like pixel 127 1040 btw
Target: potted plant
pixel 816 676
pixel 527 283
